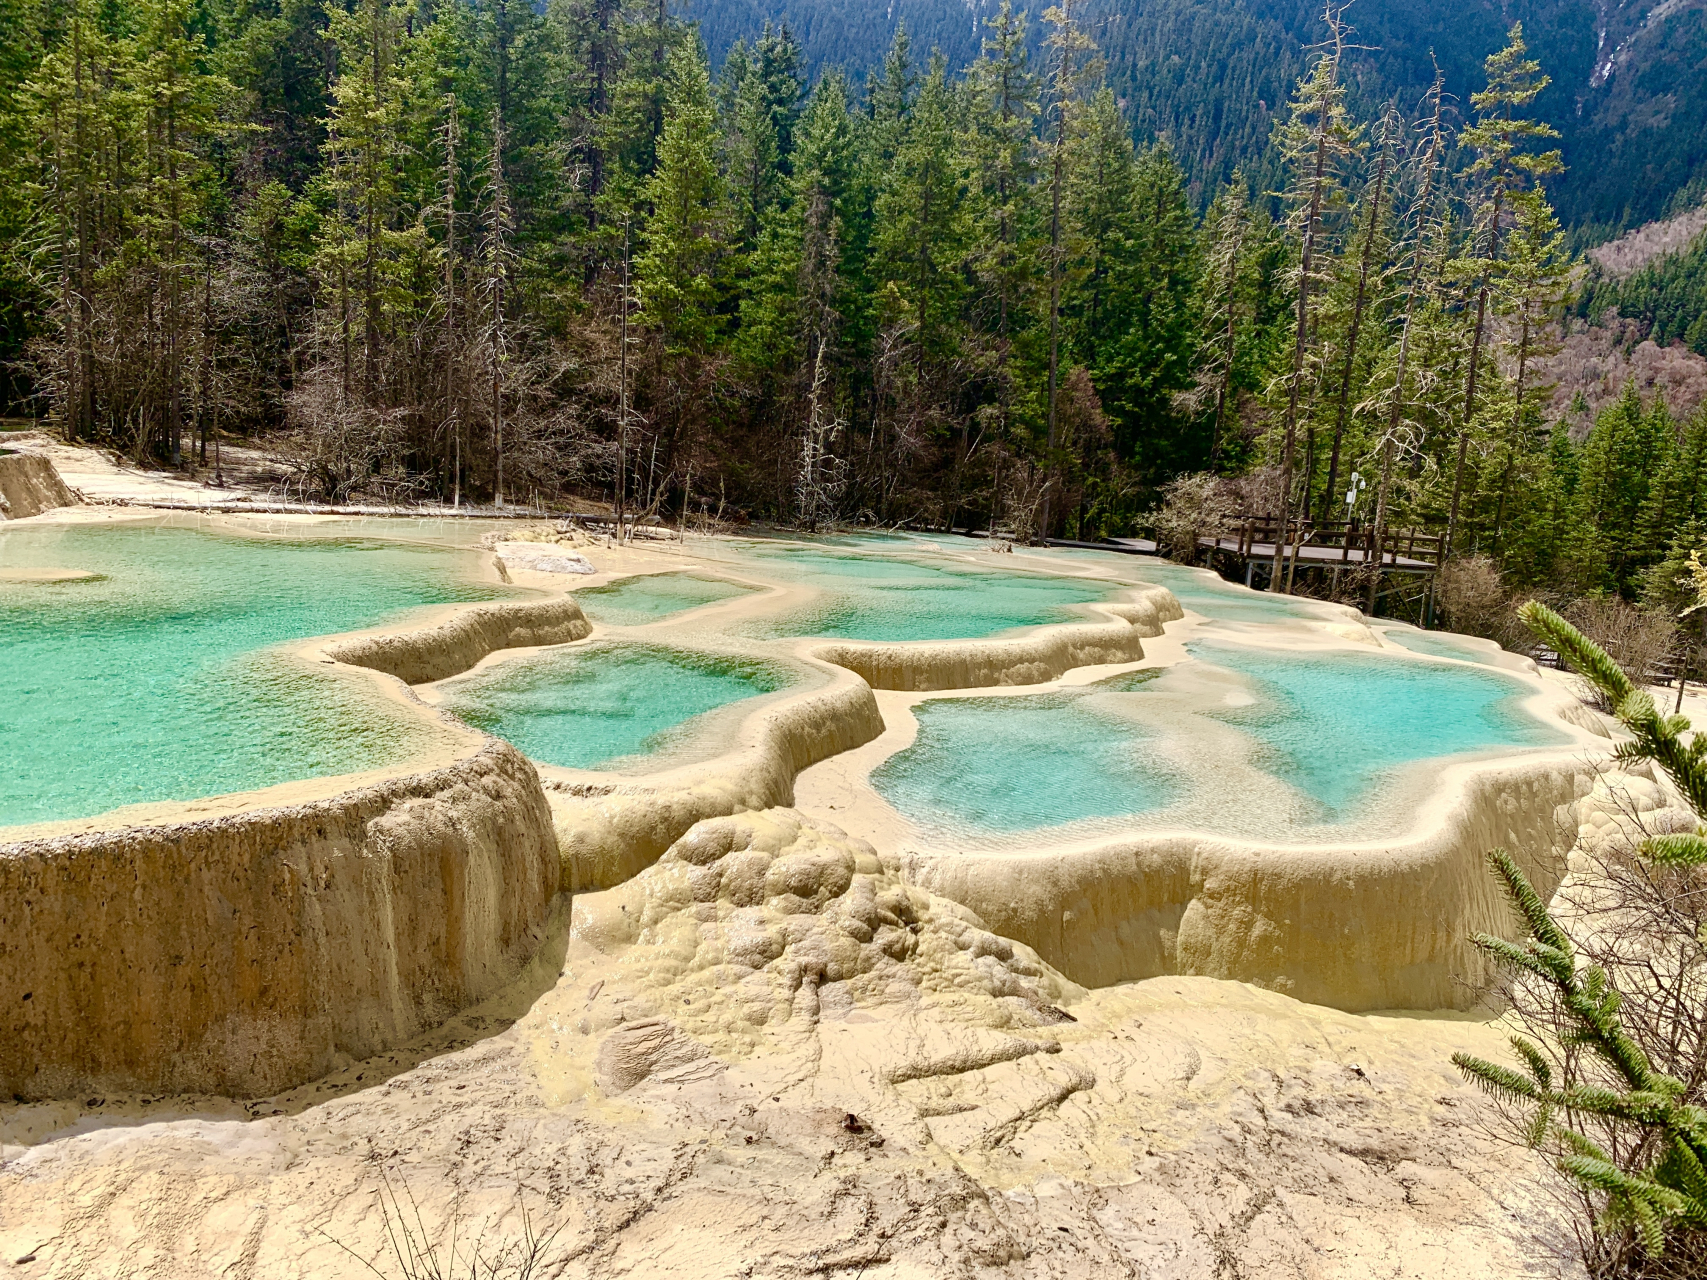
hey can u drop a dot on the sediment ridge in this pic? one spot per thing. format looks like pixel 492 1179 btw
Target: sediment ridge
pixel 29 485
pixel 608 835
pixel 1045 654
pixel 452 647
pixel 1356 927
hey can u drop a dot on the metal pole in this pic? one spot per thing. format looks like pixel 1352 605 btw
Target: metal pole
pixel 622 417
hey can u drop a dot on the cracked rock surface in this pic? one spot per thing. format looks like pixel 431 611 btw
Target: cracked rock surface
pixel 769 1056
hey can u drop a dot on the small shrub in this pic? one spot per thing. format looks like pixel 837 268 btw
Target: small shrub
pixel 1633 636
pixel 1472 598
pixel 1193 507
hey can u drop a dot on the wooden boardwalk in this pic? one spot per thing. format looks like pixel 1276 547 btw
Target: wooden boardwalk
pixel 1398 563
pixel 1309 554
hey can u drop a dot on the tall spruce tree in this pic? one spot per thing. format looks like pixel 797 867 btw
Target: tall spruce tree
pixel 1502 169
pixel 1316 140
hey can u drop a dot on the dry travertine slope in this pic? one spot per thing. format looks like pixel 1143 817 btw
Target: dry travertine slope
pixel 768 1056
pixel 29 485
pixel 254 950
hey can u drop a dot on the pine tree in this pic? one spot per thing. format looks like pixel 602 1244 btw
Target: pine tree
pixel 1653 1181
pixel 631 130
pixel 1502 168
pixel 1534 291
pixel 791 312
pixel 677 273
pixel 1140 344
pixel 753 149
pixel 1422 315
pixel 1365 258
pixel 586 53
pixel 1228 314
pixel 779 62
pixel 1004 164
pixel 1316 140
pixel 922 231
pixel 1071 50
pixel 22 297
pixel 1612 487
pixel 361 173
pixel 497 267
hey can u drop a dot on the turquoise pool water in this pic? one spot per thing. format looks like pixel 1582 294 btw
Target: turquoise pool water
pixel 634 602
pixel 1440 645
pixel 1322 736
pixel 1332 725
pixel 1021 763
pixel 878 597
pixel 152 682
pixel 1220 600
pixel 599 705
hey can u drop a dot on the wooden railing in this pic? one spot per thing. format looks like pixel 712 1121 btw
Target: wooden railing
pixel 1348 536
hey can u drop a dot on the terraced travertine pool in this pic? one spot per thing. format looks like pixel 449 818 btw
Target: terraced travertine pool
pixel 165 678
pixel 1203 592
pixel 606 706
pixel 161 679
pixel 1243 740
pixel 654 597
pixel 915 596
pixel 1437 645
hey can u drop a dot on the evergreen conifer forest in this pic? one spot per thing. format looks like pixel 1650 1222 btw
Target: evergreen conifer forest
pixel 488 253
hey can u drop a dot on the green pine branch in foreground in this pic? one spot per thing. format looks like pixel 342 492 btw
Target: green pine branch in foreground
pixel 1667 1181
pixel 1662 1185
pixel 1656 737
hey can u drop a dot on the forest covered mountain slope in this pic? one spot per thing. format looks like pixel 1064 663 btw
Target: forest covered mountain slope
pixel 1629 92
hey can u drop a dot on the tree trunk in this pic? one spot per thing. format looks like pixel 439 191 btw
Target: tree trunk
pixel 1351 338
pixel 1301 338
pixel 1469 413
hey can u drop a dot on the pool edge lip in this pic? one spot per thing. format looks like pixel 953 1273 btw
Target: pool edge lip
pixel 611 826
pixel 804 676
pixel 1027 656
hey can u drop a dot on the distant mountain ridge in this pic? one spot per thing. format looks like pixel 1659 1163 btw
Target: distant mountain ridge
pixel 1629 93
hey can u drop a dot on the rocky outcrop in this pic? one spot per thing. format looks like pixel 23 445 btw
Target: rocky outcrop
pixel 29 486
pixel 245 954
pixel 764 919
pixel 437 653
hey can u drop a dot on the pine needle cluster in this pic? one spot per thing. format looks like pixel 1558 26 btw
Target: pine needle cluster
pixel 1650 1178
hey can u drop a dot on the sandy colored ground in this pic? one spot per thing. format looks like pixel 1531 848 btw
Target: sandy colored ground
pixel 105 475
pixel 1181 1127
pixel 246 477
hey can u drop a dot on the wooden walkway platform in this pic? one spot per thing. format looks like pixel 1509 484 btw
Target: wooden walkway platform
pixel 1309 555
pixel 1312 556
pixel 1396 563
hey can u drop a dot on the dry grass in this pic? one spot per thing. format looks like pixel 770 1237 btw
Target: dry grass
pixel 418 1253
